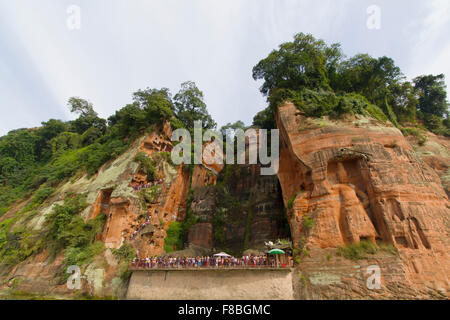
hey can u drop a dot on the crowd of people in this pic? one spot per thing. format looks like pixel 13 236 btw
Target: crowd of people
pixel 142 226
pixel 207 262
pixel 139 187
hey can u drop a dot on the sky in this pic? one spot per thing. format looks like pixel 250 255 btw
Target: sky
pixel 122 46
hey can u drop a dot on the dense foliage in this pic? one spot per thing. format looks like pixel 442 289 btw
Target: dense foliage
pixel 316 77
pixel 124 255
pixel 320 81
pixel 47 155
pixel 362 250
pixel 147 165
pixel 33 162
pixel 173 240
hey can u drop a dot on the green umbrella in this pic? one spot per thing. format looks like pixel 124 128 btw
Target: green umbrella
pixel 276 251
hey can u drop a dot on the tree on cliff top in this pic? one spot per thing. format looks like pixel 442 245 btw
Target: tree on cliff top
pixel 432 94
pixel 190 106
pixel 88 117
pixel 156 102
pixel 299 64
pixel 265 119
pixel 82 107
pixel 232 127
pixel 307 65
pixel 368 76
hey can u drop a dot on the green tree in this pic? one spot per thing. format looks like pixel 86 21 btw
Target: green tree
pixel 156 102
pixel 232 126
pixel 432 94
pixel 333 58
pixel 51 129
pixel 368 76
pixel 82 124
pixel 46 133
pixel 265 119
pixel 90 136
pixel 190 106
pixel 20 145
pixel 88 117
pixel 403 101
pixel 65 141
pixel 82 107
pixel 299 64
pixel 128 121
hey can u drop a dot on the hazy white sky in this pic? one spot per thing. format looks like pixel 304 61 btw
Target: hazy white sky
pixel 124 46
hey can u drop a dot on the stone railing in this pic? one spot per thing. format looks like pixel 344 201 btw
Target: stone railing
pixel 208 265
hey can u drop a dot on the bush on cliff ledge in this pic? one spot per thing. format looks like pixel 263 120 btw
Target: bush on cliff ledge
pixel 359 251
pixel 66 230
pixel 319 103
pixel 174 238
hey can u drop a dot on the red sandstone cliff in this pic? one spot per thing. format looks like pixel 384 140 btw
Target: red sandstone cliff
pixel 358 179
pixel 355 179
pixel 111 192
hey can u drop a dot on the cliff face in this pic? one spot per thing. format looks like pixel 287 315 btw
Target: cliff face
pixel 240 212
pixel 155 206
pixel 107 192
pixel 110 192
pixel 351 180
pixel 339 182
pixel 254 212
pixel 435 151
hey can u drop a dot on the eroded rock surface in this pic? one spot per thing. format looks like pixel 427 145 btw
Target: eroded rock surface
pixel 435 151
pixel 357 179
pixel 339 182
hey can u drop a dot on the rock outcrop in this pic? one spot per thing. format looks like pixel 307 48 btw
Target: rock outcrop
pixel 435 151
pixel 340 182
pixel 357 179
pixel 139 218
pixel 164 202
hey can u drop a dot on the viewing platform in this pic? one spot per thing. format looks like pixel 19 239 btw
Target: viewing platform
pixel 209 283
pixel 256 268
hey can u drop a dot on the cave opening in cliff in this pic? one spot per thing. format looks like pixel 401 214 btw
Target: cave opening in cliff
pixel 105 196
pixel 102 205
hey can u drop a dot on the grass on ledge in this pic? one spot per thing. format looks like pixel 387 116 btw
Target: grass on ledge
pixel 359 251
